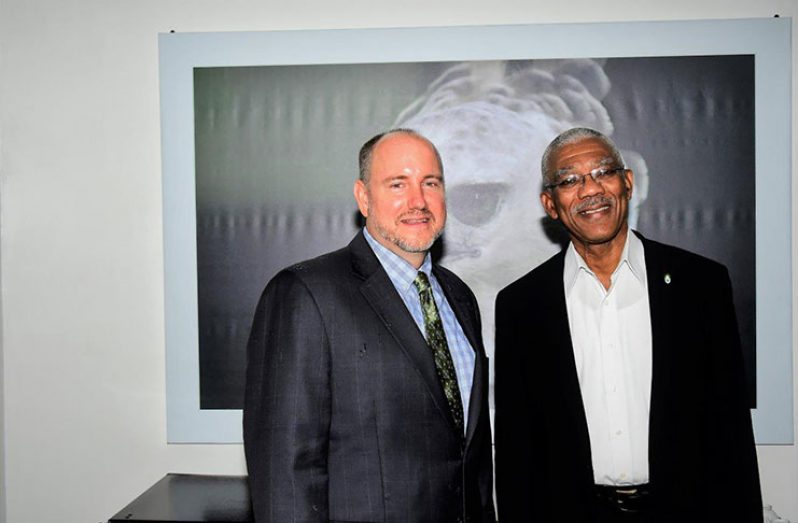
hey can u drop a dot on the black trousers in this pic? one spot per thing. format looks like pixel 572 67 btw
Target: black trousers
pixel 608 515
pixel 623 504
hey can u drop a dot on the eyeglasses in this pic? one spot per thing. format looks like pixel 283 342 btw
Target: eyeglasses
pixel 572 181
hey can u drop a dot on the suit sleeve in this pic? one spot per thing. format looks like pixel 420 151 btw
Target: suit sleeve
pixel 287 405
pixel 733 487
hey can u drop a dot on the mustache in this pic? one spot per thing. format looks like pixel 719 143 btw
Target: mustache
pixel 420 213
pixel 595 201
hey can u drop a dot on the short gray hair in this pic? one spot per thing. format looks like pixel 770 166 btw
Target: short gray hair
pixel 571 136
pixel 367 150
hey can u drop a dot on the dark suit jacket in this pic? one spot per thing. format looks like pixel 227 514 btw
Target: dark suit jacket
pixel 344 417
pixel 702 459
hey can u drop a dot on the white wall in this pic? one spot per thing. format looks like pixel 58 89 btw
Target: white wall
pixel 80 244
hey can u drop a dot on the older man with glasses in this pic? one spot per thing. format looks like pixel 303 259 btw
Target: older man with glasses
pixel 620 392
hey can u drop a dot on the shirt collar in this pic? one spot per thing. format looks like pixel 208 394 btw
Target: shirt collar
pixel 399 270
pixel 632 255
pixel 636 257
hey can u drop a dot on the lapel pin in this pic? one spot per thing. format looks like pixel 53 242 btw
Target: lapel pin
pixel 667 278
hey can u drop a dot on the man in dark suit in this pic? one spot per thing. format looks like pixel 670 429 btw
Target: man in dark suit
pixel 619 379
pixel 366 396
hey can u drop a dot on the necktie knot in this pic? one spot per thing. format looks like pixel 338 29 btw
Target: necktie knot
pixel 421 282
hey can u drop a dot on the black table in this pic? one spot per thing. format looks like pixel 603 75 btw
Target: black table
pixel 191 498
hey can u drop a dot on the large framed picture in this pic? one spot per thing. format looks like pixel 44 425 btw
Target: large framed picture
pixel 260 140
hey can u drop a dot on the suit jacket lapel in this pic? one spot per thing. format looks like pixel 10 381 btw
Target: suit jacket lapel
pixel 379 292
pixel 554 314
pixel 661 283
pixel 468 319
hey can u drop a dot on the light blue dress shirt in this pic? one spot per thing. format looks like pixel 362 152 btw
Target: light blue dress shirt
pixel 402 275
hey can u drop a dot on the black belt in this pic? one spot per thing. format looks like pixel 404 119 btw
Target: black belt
pixel 624 498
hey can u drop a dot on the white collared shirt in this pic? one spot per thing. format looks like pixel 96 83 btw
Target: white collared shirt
pixel 611 335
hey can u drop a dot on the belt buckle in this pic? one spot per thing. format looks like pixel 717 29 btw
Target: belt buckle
pixel 628 499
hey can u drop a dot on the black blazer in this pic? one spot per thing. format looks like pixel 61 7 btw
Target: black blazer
pixel 702 459
pixel 344 417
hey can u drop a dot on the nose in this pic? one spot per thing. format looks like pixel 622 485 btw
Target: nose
pixel 589 187
pixel 416 198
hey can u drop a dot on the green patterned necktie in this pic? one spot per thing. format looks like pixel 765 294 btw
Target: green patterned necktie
pixel 436 339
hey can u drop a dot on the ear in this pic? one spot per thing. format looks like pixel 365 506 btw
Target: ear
pixel 629 182
pixel 362 197
pixel 548 205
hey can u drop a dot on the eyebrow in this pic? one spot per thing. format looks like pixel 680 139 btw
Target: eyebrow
pixel 436 176
pixel 607 160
